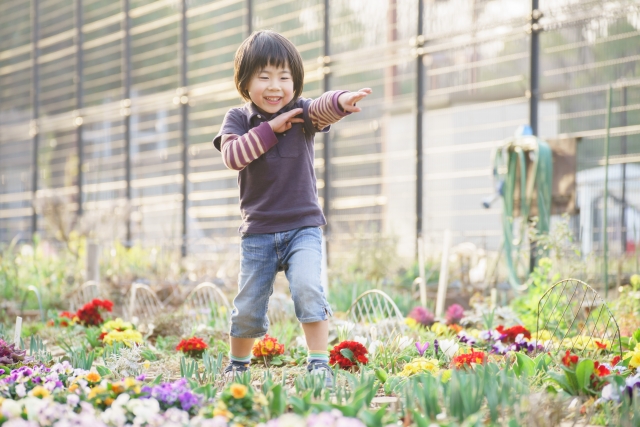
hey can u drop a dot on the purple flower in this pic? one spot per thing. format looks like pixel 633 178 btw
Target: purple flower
pixel 466 339
pixel 422 348
pixel 454 314
pixel 422 316
pixel 188 400
pixel 436 346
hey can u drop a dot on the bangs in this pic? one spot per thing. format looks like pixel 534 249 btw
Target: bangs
pixel 264 48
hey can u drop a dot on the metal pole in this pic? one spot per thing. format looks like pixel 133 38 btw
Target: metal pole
pixel 534 95
pixel 326 138
pixel 79 95
pixel 184 127
pixel 605 218
pixel 35 101
pixel 126 108
pixel 623 147
pixel 249 17
pixel 419 112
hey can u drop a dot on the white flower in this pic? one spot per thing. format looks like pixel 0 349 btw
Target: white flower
pixel 33 406
pixel 21 391
pixel 373 347
pixel 362 340
pixel 10 408
pixel 609 392
pixel 143 409
pixel 449 347
pixel 73 399
pixel 114 416
pixel 404 342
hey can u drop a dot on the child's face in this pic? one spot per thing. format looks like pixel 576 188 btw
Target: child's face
pixel 271 88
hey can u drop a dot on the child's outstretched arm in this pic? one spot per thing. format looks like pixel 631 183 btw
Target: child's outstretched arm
pixel 240 150
pixel 333 106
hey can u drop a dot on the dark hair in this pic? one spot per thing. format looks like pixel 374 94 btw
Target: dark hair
pixel 264 48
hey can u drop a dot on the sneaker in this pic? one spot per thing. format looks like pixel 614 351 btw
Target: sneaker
pixel 317 367
pixel 234 369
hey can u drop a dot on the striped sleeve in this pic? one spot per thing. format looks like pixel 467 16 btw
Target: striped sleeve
pixel 325 110
pixel 238 151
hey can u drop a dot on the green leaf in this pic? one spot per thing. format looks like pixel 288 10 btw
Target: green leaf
pixel 542 362
pixel 636 335
pixel 372 419
pixel 157 379
pixel 278 401
pixel 524 366
pixel 562 381
pixel 382 375
pixel 419 419
pixel 348 354
pixel 583 374
pixel 103 370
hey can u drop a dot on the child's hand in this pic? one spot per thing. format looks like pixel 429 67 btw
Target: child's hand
pixel 282 123
pixel 348 100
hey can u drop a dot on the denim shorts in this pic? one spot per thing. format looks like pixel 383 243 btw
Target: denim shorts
pixel 298 253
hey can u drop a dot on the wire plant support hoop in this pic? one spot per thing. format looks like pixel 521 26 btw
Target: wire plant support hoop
pixel 573 316
pixel 376 308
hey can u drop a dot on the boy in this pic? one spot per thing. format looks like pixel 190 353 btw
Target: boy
pixel 270 141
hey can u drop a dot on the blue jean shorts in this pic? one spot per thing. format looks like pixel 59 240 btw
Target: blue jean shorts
pixel 298 253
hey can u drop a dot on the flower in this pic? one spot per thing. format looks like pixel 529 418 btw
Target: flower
pixel 439 329
pixel 238 391
pixel 422 348
pixel 509 335
pixel 454 314
pixel 348 354
pixel 193 346
pixel 615 360
pixel 421 316
pixel 468 359
pixel 420 365
pixel 90 313
pixel 267 347
pixel 127 336
pixel 40 391
pixel 93 377
pixel 449 347
pixel 600 345
pixel 569 360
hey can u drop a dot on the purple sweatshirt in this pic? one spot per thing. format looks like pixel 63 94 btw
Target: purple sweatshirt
pixel 276 176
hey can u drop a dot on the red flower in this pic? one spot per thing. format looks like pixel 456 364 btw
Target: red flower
pixel 509 335
pixel 615 361
pixel 465 360
pixel 89 314
pixel 193 346
pixel 357 353
pixel 601 370
pixel 570 360
pixel 600 345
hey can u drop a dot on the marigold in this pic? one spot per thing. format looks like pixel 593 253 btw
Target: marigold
pixel 238 391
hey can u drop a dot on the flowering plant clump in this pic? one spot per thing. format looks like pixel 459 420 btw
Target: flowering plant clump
pixel 90 314
pixel 238 405
pixel 175 394
pixel 420 365
pixel 322 419
pixel 63 319
pixel 21 381
pixel 10 355
pixel 267 347
pixel 454 314
pixel 569 360
pixel 420 316
pixel 193 346
pixel 348 354
pixel 128 337
pixel 467 360
pixel 509 335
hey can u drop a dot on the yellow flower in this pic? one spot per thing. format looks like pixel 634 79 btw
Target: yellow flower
pixel 217 412
pixel 420 365
pixel 542 335
pixel 96 391
pixel 129 382
pixel 238 391
pixel 439 329
pixel 93 377
pixel 73 387
pixel 39 391
pixel 128 337
pixel 146 364
pixel 446 376
pixel 117 324
pixel 635 359
pixel 411 322
pixel 260 399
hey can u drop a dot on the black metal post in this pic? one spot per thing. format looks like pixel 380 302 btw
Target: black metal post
pixel 79 119
pixel 326 137
pixel 249 17
pixel 534 94
pixel 184 122
pixel 623 151
pixel 126 108
pixel 419 113
pixel 35 100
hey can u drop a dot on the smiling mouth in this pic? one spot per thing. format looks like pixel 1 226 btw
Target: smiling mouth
pixel 273 99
